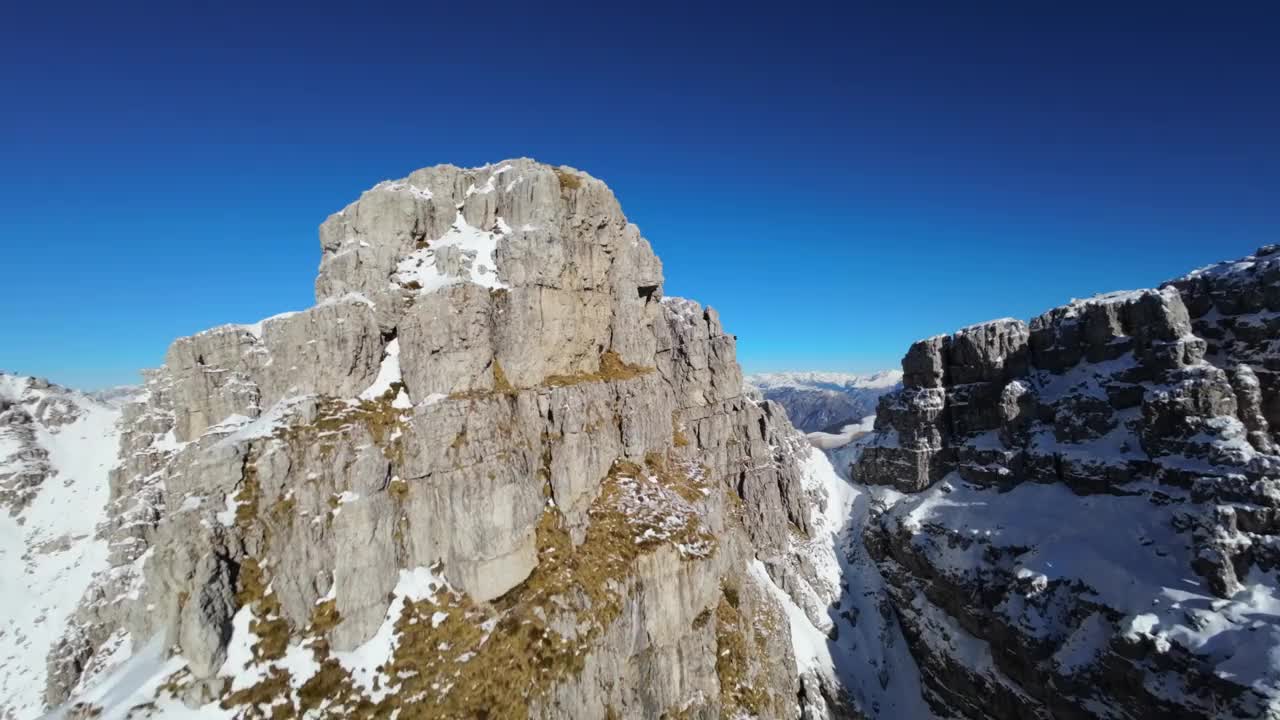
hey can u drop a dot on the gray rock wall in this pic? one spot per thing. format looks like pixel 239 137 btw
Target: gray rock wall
pixel 493 391
pixel 1073 542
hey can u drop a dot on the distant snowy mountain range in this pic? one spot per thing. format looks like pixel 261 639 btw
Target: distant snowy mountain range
pixel 826 401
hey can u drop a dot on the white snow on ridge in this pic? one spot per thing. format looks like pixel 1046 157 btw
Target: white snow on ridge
pixel 49 551
pixel 406 187
pixel 984 323
pixel 825 380
pixel 870 657
pixel 489 187
pixel 1116 297
pixel 1265 257
pixel 254 328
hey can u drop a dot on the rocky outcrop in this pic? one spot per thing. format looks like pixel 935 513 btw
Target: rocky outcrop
pixel 1077 517
pixel 493 469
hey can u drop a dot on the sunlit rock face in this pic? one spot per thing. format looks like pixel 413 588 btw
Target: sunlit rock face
pixel 493 470
pixel 1079 514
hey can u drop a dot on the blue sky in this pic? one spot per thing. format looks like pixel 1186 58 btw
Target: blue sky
pixel 837 180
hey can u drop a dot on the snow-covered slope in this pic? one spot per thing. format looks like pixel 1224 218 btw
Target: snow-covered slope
pixel 847 640
pixel 56 447
pixel 826 401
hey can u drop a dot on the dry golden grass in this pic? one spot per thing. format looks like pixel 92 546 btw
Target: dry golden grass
pixel 272 630
pixel 611 368
pixel 568 180
pixel 738 693
pixel 336 418
pixel 500 384
pixel 266 692
pixel 679 438
pixel 459 659
pixel 247 496
pixel 398 488
pixel 325 617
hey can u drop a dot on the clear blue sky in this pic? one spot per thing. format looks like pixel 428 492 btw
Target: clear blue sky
pixel 838 181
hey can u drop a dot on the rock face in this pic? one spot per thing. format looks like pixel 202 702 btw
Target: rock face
pixel 1079 517
pixel 493 469
pixel 823 401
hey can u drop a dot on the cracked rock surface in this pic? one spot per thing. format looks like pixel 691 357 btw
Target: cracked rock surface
pixel 1078 515
pixel 492 469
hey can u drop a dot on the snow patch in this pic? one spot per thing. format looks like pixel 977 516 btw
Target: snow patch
pixel 388 373
pixel 464 254
pixel 847 434
pixel 405 187
pixel 365 662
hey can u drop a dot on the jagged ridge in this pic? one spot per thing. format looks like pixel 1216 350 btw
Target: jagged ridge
pixel 1089 523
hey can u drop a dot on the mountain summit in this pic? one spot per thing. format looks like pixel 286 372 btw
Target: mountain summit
pixel 492 472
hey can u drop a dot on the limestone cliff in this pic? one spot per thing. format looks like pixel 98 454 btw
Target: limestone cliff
pixel 1080 517
pixel 492 472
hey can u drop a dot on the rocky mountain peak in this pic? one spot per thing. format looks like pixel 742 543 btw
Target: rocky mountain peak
pixel 517 269
pixel 492 469
pixel 514 223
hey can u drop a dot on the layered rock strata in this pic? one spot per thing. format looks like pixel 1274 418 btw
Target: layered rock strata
pixel 1079 514
pixel 493 470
